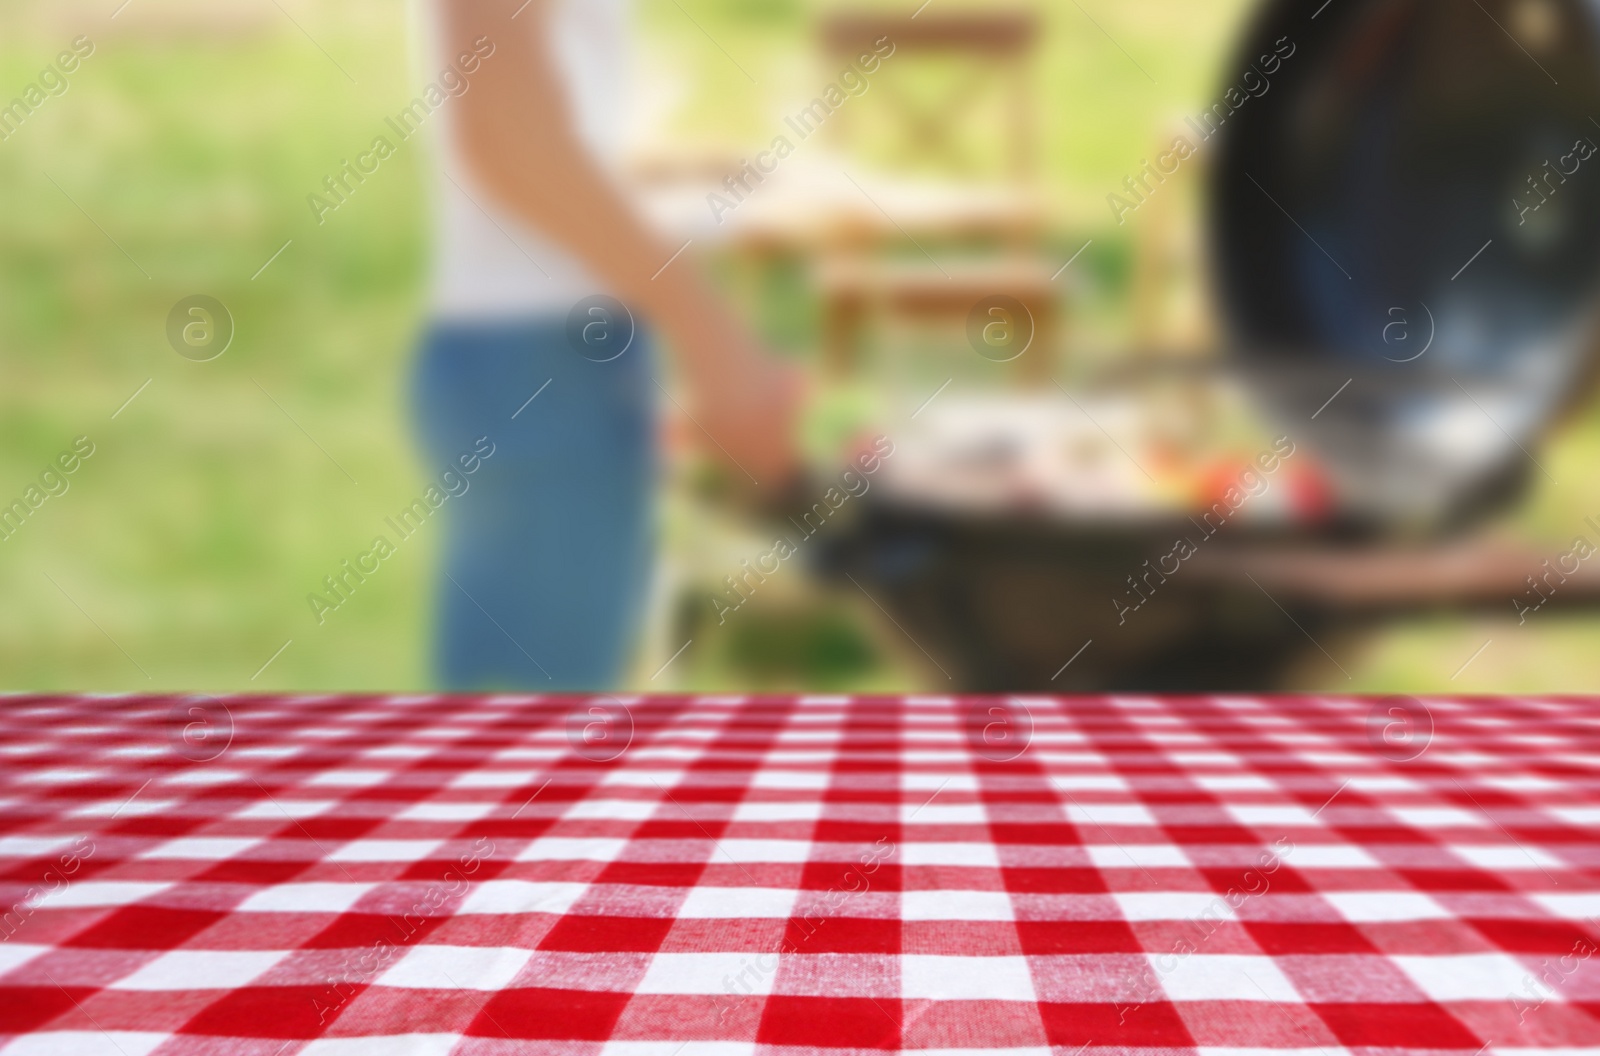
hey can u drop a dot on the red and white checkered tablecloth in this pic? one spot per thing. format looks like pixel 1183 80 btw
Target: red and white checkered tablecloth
pixel 411 876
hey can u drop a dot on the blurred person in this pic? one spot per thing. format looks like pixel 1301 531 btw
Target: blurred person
pixel 548 561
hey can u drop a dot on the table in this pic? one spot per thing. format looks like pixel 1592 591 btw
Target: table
pixel 345 876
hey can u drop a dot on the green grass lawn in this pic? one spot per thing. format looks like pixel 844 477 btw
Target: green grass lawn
pixel 178 164
pixel 190 539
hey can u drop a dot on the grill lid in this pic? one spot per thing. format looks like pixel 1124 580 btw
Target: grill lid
pixel 1404 209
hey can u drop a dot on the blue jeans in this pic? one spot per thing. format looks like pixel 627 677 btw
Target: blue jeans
pixel 548 555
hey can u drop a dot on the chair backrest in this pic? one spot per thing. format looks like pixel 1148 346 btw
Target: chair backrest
pixel 955 60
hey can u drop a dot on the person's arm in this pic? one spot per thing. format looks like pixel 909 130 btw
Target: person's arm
pixel 515 132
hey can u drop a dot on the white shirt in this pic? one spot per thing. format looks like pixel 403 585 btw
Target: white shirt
pixel 487 263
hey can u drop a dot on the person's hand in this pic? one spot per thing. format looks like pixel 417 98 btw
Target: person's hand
pixel 752 413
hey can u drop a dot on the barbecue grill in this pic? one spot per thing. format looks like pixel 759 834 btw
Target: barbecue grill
pixel 1420 161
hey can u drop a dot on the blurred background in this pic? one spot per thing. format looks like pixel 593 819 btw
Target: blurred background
pixel 1005 159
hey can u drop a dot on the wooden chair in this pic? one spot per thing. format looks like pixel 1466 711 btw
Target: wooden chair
pixel 975 235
